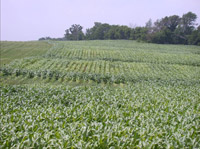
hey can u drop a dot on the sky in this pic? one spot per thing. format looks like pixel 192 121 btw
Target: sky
pixel 25 20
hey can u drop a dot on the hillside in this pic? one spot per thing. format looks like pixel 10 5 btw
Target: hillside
pixel 18 50
pixel 99 94
pixel 103 61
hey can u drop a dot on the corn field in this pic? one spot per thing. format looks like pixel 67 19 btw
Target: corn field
pixel 127 95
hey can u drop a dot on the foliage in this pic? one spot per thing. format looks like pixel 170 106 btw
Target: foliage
pixel 127 95
pixel 143 115
pixel 194 38
pixel 74 32
pixel 187 22
pixel 168 30
pixel 174 29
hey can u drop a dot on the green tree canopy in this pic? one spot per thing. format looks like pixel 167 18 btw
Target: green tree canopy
pixel 74 32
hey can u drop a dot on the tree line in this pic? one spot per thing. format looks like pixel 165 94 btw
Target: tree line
pixel 168 30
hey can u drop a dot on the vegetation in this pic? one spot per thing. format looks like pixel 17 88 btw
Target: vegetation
pixel 18 50
pixel 110 63
pixel 167 30
pixel 100 94
pixel 74 33
pixel 136 116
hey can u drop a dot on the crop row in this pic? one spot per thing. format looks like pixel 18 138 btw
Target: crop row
pixel 126 55
pixel 143 115
pixel 71 76
pixel 98 78
pixel 18 50
pixel 125 69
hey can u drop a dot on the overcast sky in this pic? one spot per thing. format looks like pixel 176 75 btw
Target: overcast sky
pixel 23 20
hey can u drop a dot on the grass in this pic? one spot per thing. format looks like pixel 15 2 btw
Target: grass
pixel 18 50
pixel 100 94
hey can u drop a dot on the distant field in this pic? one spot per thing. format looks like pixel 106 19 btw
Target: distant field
pixel 99 94
pixel 17 50
pixel 107 62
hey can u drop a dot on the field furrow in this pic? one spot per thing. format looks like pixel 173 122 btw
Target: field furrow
pixel 99 94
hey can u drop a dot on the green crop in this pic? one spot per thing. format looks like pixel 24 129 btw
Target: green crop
pixel 139 115
pixel 99 94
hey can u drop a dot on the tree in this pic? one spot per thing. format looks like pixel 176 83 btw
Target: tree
pixel 149 26
pixel 125 32
pixel 45 38
pixel 170 23
pixel 173 29
pixel 42 38
pixel 68 36
pixel 74 32
pixel 194 38
pixel 173 22
pixel 164 36
pixel 140 33
pixel 185 28
pixel 88 34
pixel 168 30
pixel 188 22
pixel 100 30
